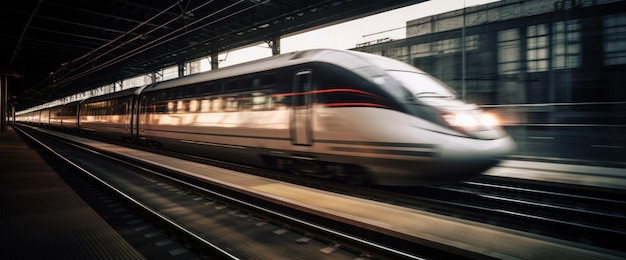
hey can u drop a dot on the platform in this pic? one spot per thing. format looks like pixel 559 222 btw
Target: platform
pixel 42 217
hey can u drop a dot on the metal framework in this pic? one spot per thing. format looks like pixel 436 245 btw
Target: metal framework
pixel 61 47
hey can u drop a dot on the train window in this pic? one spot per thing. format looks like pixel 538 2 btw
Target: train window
pixel 262 100
pixel 302 86
pixel 124 107
pixel 259 101
pixel 278 102
pixel 205 106
pixel 118 108
pixel 217 105
pixel 171 107
pixel 182 106
pixel 161 107
pixel 245 101
pixel 144 105
pixel 110 107
pixel 231 104
pixel 72 110
pixel 194 105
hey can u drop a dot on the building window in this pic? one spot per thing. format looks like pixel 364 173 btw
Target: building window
pixel 420 50
pixel 615 39
pixel 399 53
pixel 167 73
pixel 537 48
pixel 447 46
pixel 135 81
pixel 566 44
pixel 508 51
pixel 471 42
pixel 197 66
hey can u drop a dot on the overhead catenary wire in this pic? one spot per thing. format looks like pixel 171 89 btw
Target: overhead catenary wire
pixel 163 39
pixel 127 33
pixel 61 82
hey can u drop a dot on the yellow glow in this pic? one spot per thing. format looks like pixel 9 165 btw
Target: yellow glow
pixel 489 120
pixel 461 120
pixel 470 121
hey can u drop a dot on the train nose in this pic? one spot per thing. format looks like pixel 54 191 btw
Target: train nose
pixel 477 149
pixel 465 158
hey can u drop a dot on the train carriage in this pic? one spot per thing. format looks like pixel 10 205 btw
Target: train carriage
pixel 65 116
pixel 329 113
pixel 326 113
pixel 111 114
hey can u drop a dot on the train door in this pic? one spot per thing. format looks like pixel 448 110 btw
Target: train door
pixel 142 112
pixel 127 115
pixel 301 109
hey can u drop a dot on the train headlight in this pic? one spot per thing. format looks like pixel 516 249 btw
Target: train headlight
pixel 470 122
pixel 461 120
pixel 488 120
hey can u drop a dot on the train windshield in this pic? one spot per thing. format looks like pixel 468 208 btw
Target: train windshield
pixel 422 85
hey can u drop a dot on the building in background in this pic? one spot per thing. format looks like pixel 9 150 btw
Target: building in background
pixel 535 62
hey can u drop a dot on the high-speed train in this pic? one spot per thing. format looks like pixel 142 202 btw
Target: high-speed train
pixel 339 114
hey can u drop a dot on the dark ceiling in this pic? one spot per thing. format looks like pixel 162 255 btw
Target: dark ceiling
pixel 55 48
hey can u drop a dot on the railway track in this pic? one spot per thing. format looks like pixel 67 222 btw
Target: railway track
pixel 569 213
pixel 597 220
pixel 574 213
pixel 212 221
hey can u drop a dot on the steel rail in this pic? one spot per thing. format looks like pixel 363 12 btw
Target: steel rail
pixel 121 159
pixel 129 198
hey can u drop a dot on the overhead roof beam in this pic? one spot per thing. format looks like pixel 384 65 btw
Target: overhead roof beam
pixel 19 41
pixel 82 10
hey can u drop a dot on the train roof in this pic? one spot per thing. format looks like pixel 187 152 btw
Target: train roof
pixel 123 93
pixel 347 59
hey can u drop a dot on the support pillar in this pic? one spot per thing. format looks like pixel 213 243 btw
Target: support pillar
pixel 181 70
pixel 274 44
pixel 214 61
pixel 4 80
pixel 12 113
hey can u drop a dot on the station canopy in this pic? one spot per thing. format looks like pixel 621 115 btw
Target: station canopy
pixel 55 48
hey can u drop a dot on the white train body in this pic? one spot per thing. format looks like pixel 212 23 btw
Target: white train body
pixel 330 113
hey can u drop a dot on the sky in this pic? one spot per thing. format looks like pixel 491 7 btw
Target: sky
pixel 346 35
